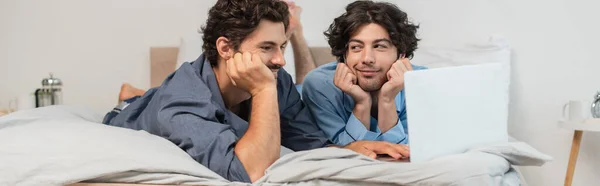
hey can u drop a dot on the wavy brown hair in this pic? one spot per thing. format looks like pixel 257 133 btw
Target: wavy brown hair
pixel 236 19
pixel 402 32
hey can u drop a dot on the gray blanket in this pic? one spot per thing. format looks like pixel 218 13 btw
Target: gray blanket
pixel 63 145
pixel 490 165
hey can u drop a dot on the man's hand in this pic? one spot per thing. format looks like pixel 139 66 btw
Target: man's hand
pixel 259 147
pixel 395 82
pixel 372 148
pixel 345 80
pixel 248 72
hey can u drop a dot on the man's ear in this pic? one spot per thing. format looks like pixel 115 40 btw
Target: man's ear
pixel 225 50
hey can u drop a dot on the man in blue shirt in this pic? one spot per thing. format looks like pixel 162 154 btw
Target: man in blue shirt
pixel 361 96
pixel 234 106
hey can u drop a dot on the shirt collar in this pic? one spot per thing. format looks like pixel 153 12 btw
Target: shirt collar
pixel 206 73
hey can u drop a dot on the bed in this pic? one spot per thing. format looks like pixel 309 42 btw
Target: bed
pixel 65 145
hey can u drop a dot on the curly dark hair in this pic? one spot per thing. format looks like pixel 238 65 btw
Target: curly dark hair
pixel 402 32
pixel 236 19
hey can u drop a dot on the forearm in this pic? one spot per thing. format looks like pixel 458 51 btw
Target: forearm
pixel 387 116
pixel 303 60
pixel 362 111
pixel 260 146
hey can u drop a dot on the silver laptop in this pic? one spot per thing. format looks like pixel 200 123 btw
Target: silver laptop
pixel 452 109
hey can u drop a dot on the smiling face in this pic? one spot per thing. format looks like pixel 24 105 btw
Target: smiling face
pixel 269 42
pixel 370 54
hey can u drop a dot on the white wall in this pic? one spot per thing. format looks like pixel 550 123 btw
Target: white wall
pixel 94 46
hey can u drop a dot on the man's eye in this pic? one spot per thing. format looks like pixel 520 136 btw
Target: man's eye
pixel 266 48
pixel 380 46
pixel 354 47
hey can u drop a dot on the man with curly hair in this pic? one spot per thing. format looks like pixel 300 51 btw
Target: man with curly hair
pixel 233 108
pixel 361 97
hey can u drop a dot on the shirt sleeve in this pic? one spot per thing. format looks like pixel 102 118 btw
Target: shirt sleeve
pixel 357 130
pixel 397 133
pixel 208 142
pixel 298 128
pixel 330 114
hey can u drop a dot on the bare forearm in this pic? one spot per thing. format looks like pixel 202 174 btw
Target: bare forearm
pixel 362 111
pixel 386 116
pixel 260 146
pixel 303 60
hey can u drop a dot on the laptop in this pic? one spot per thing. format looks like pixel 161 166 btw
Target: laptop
pixel 453 109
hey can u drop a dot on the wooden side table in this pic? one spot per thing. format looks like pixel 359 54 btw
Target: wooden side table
pixel 592 125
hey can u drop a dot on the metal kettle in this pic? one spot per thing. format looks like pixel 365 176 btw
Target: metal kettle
pixel 50 93
pixel 596 106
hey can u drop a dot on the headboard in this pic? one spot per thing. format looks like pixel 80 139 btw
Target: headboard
pixel 163 61
pixel 321 55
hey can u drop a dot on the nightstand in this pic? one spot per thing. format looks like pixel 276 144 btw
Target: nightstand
pixel 590 125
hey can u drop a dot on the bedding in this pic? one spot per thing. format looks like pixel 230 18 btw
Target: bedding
pixel 62 145
pixel 489 165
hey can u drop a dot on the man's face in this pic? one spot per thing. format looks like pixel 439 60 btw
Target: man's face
pixel 370 54
pixel 268 41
